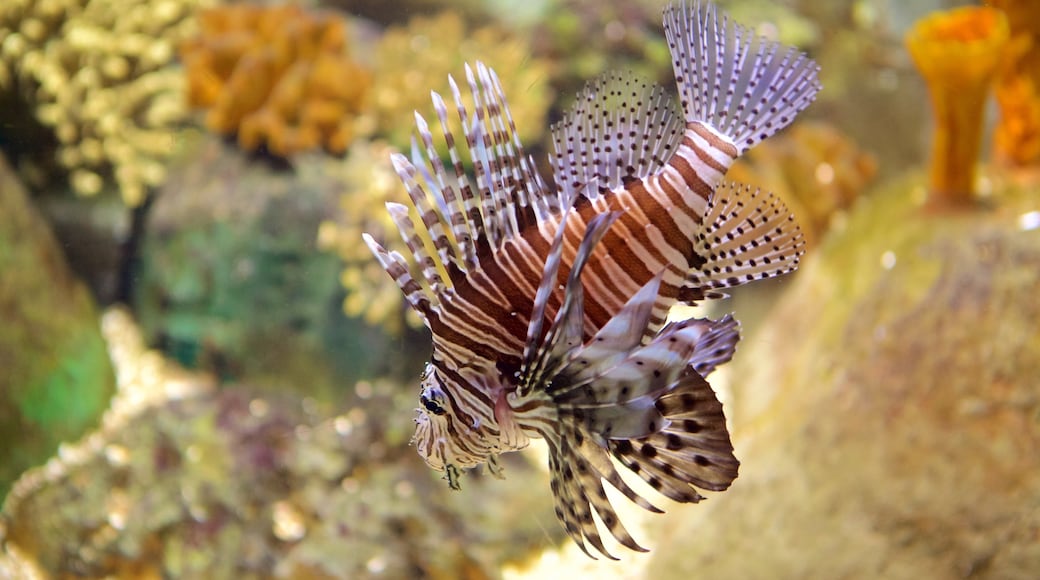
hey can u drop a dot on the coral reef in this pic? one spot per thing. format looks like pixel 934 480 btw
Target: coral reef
pixel 55 377
pixel 369 182
pixel 1017 135
pixel 818 170
pixel 278 77
pixel 184 480
pixel 958 53
pixel 887 413
pixel 96 72
pixel 412 60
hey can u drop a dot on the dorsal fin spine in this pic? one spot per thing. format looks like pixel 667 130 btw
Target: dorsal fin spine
pixel 412 239
pixel 479 144
pixel 434 217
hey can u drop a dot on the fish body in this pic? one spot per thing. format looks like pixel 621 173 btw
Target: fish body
pixel 547 304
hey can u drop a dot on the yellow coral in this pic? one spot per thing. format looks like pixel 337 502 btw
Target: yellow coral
pixel 1017 135
pixel 95 71
pixel 277 76
pixel 958 53
pixel 412 60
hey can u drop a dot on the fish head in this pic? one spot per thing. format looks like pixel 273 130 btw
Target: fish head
pixel 431 421
pixel 444 440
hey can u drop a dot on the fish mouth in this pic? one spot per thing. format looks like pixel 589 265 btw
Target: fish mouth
pixel 429 447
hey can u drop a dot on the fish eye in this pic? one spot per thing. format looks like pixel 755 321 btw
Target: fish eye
pixel 431 405
pixel 432 397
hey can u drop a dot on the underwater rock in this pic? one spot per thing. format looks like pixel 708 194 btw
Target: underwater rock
pixel 888 415
pixel 232 280
pixel 187 481
pixel 56 378
pixel 818 170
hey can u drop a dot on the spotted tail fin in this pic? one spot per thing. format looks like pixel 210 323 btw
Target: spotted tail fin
pixel 742 86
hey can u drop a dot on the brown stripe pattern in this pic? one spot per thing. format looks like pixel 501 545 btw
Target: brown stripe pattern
pixel 532 291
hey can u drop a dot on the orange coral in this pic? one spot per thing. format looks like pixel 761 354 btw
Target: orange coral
pixel 1017 135
pixel 277 76
pixel 958 53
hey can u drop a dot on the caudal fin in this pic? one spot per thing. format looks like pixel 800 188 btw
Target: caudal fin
pixel 742 86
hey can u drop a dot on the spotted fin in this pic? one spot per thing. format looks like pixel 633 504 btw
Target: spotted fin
pixel 744 87
pixel 619 128
pixel 747 235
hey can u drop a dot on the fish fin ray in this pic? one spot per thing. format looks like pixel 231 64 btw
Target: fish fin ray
pixel 419 298
pixel 620 127
pixel 744 86
pixel 694 449
pixel 543 356
pixel 748 235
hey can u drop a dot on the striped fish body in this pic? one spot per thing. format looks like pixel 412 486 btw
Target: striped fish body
pixel 547 305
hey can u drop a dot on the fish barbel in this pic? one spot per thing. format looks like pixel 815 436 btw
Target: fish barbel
pixel 547 304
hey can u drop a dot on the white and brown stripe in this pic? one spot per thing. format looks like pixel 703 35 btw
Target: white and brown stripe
pixel 647 222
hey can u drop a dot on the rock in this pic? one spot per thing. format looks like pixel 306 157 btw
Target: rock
pixel 888 414
pixel 56 378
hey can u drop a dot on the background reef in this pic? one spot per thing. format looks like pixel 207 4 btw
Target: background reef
pixel 205 373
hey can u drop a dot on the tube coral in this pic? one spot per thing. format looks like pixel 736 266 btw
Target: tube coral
pixel 277 76
pixel 1017 134
pixel 958 53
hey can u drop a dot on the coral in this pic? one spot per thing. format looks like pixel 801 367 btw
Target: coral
pixel 55 377
pixel 412 60
pixel 958 53
pixel 96 72
pixel 187 481
pixel 277 76
pixel 818 170
pixel 369 182
pixel 1017 135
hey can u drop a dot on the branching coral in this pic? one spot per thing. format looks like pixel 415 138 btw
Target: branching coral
pixel 1017 135
pixel 958 52
pixel 414 59
pixel 277 76
pixel 95 71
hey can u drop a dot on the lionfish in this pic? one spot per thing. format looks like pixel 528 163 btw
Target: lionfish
pixel 548 304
